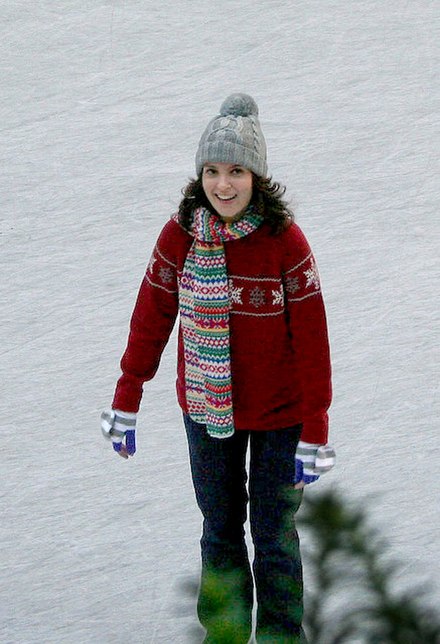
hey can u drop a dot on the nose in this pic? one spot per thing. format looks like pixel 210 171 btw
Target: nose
pixel 223 181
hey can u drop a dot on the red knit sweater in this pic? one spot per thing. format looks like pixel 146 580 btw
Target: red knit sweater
pixel 280 359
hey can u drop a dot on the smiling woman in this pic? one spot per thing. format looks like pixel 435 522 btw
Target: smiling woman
pixel 267 199
pixel 228 188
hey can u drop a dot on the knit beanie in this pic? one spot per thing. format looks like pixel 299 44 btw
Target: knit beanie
pixel 234 136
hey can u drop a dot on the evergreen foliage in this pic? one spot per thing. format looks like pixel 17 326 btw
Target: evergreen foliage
pixel 348 560
pixel 349 565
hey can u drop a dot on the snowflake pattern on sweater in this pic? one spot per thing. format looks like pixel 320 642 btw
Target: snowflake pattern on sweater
pixel 262 296
pixel 254 296
pixel 161 272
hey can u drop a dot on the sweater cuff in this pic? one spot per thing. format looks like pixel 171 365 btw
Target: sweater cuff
pixel 315 429
pixel 128 394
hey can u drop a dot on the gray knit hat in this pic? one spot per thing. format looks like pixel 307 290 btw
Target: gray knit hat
pixel 234 136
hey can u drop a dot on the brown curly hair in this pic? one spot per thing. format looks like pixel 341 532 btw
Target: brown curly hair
pixel 266 197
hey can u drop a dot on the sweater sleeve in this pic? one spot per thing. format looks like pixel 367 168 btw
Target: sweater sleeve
pixel 151 323
pixel 308 329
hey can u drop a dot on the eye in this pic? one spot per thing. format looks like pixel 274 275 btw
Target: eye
pixel 209 171
pixel 237 171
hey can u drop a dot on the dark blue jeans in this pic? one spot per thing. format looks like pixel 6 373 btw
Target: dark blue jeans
pixel 220 479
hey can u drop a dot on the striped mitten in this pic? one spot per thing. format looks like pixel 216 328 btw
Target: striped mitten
pixel 312 460
pixel 119 427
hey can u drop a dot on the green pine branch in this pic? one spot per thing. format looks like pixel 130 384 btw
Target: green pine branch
pixel 347 561
pixel 346 551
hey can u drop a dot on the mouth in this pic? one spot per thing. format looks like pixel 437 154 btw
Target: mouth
pixel 225 199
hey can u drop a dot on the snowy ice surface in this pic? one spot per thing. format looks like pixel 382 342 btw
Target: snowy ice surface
pixel 101 107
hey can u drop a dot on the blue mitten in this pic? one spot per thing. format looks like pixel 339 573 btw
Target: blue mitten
pixel 119 427
pixel 312 460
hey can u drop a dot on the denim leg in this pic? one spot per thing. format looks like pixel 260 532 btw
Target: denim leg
pixel 277 563
pixel 218 468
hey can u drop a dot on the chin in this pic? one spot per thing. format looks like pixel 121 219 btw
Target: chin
pixel 230 215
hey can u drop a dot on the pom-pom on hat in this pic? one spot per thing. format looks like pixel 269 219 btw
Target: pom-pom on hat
pixel 234 136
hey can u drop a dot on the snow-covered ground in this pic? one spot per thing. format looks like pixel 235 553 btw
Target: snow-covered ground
pixel 101 107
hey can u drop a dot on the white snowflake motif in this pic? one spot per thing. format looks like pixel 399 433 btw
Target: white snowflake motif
pixel 235 293
pixel 152 262
pixel 278 296
pixel 166 275
pixel 292 285
pixel 312 275
pixel 257 297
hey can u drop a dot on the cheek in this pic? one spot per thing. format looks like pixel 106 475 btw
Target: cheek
pixel 249 191
pixel 249 184
pixel 205 186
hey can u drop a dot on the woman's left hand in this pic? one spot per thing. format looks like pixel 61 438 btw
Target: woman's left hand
pixel 312 460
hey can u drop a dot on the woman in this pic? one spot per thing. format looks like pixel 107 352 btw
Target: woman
pixel 253 368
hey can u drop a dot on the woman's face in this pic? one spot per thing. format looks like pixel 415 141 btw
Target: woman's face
pixel 228 188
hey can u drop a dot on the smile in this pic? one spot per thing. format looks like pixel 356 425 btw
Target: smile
pixel 225 198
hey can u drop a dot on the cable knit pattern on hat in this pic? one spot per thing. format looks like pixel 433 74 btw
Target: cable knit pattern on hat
pixel 234 136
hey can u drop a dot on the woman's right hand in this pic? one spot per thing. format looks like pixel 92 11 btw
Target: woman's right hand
pixel 119 427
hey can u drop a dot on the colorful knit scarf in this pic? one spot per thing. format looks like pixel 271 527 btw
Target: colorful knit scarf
pixel 204 314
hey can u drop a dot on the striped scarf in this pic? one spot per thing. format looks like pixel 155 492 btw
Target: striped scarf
pixel 204 313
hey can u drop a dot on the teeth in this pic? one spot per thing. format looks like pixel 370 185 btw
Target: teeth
pixel 225 198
